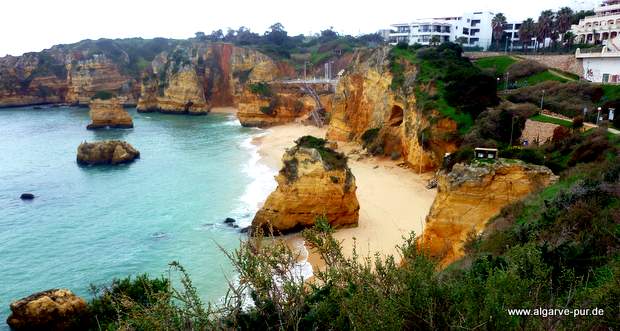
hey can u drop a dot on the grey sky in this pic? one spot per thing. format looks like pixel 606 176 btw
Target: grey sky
pixel 32 25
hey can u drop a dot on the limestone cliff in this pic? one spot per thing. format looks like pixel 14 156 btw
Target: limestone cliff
pixel 109 114
pixel 60 76
pixel 470 195
pixel 99 73
pixel 192 79
pixel 314 182
pixel 280 103
pixel 388 120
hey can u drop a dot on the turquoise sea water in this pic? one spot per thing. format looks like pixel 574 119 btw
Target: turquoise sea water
pixel 91 224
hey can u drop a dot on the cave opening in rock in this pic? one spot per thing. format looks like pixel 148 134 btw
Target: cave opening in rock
pixel 396 116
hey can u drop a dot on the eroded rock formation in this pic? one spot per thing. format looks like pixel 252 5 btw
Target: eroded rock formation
pixel 280 103
pixel 193 79
pixel 368 109
pixel 470 195
pixel 314 182
pixel 106 152
pixel 108 114
pixel 57 309
pixel 61 75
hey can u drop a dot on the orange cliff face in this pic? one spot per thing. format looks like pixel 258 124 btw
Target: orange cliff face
pixel 196 78
pixel 471 195
pixel 284 103
pixel 61 76
pixel 365 102
pixel 314 182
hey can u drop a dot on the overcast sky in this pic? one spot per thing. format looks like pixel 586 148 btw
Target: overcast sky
pixel 33 25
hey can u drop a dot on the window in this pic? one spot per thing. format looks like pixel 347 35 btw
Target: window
pixel 605 78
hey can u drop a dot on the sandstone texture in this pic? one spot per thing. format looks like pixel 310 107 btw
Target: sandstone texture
pixel 314 182
pixel 365 102
pixel 108 114
pixel 193 79
pixel 57 309
pixel 284 103
pixel 106 152
pixel 470 195
pixel 60 75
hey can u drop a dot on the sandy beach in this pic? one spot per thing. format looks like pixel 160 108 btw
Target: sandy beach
pixel 393 201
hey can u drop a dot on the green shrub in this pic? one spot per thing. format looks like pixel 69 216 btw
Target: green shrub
pixel 524 69
pixel 261 88
pixel 331 159
pixel 103 95
pixel 369 136
pixel 106 305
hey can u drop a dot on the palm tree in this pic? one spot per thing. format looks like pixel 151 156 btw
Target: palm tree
pixel 564 19
pixel 497 25
pixel 526 32
pixel 544 27
pixel 568 38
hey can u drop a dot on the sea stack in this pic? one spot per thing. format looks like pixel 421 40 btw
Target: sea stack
pixel 314 182
pixel 57 309
pixel 108 114
pixel 106 152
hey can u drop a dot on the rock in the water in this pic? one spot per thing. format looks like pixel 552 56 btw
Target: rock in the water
pixel 314 182
pixel 106 152
pixel 229 220
pixel 27 196
pixel 57 309
pixel 245 230
pixel 108 114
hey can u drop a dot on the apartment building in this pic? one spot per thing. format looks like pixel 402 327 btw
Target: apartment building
pixel 471 29
pixel 601 27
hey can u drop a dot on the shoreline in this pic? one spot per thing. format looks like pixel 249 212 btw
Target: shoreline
pixel 393 201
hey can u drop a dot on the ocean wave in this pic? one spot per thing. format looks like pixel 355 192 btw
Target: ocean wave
pixel 261 185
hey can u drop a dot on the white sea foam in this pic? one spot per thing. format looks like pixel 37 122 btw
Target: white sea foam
pixel 261 185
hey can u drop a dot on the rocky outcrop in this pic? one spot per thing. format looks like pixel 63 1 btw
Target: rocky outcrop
pixel 106 152
pixel 280 103
pixel 314 182
pixel 61 75
pixel 470 195
pixel 368 109
pixel 96 74
pixel 193 79
pixel 57 309
pixel 108 114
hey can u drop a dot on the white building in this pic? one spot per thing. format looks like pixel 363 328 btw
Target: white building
pixel 472 29
pixel 601 66
pixel 601 27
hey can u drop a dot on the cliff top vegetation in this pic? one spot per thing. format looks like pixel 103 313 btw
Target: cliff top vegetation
pixel 446 82
pixel 557 249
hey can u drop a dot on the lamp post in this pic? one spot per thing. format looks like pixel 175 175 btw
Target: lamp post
pixel 498 80
pixel 512 126
pixel 506 87
pixel 542 100
pixel 598 115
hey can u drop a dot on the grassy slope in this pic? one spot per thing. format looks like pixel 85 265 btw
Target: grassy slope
pixel 499 63
pixel 552 120
pixel 427 74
